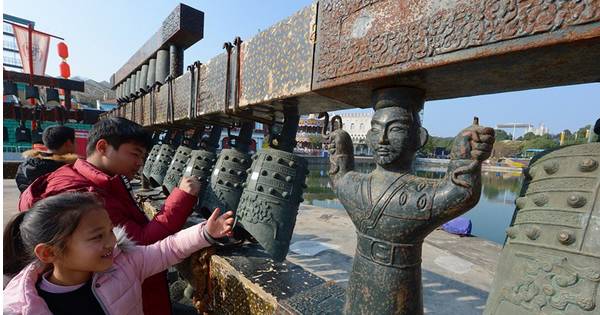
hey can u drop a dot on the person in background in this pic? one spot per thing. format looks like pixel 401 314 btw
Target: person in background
pixel 59 143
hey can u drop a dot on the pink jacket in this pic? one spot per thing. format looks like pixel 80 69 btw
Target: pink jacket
pixel 119 289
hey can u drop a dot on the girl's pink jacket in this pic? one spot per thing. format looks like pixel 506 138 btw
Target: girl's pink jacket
pixel 119 289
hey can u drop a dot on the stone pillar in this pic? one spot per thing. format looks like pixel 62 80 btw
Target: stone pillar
pixel 144 79
pixel 175 61
pixel 151 78
pixel 162 65
pixel 132 85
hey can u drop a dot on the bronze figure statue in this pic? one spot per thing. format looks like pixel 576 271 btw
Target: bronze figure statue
pixel 394 210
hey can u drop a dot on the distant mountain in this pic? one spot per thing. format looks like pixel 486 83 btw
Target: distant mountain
pixel 94 91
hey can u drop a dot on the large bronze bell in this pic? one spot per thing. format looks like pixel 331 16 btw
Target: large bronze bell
pixel 272 194
pixel 273 190
pixel 229 174
pixel 180 160
pixel 550 263
pixel 163 159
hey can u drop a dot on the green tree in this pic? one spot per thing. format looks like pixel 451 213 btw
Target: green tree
pixel 315 141
pixel 502 135
pixel 529 136
pixel 541 142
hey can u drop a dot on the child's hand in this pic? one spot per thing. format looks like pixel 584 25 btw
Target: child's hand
pixel 220 226
pixel 190 185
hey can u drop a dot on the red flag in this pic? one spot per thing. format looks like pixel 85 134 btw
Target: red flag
pixel 41 42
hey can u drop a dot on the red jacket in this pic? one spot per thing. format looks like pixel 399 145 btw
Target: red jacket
pixel 122 209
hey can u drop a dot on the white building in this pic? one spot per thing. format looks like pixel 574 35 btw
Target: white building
pixel 540 131
pixel 357 125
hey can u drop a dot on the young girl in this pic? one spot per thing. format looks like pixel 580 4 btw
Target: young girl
pixel 69 261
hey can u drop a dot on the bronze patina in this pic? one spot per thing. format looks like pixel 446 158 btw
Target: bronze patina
pixel 550 263
pixel 394 210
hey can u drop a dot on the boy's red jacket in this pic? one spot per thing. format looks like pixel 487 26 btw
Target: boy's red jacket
pixel 123 211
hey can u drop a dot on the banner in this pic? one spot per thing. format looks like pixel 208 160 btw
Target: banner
pixel 41 42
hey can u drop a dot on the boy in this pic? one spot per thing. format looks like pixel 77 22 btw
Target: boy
pixel 115 152
pixel 60 144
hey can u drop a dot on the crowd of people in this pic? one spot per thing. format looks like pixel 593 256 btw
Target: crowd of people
pixel 81 244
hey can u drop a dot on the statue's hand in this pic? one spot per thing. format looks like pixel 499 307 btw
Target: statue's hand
pixel 339 142
pixel 341 151
pixel 474 142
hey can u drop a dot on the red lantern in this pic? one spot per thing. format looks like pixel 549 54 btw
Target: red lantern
pixel 63 50
pixel 65 70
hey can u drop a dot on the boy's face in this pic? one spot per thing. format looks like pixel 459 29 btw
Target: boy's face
pixel 126 161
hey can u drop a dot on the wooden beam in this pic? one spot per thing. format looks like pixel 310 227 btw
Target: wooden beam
pixel 45 81
pixel 183 28
pixel 336 58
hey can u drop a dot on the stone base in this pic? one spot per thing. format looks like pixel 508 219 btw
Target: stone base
pixel 243 279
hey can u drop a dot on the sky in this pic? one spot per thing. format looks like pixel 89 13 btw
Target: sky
pixel 103 35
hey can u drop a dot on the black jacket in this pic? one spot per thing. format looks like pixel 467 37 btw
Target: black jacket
pixel 38 163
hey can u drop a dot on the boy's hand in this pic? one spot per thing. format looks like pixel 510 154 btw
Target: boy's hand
pixel 190 185
pixel 220 226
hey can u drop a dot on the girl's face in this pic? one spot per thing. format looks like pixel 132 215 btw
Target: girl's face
pixel 90 247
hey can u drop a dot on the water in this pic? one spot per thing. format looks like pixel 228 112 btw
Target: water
pixel 490 217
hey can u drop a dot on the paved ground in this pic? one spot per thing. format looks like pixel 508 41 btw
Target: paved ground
pixel 457 272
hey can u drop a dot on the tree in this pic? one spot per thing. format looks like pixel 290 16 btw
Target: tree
pixel 529 136
pixel 315 141
pixel 542 142
pixel 502 135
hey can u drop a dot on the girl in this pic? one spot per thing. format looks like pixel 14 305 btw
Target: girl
pixel 66 246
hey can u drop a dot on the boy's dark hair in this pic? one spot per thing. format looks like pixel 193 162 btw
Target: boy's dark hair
pixel 116 131
pixel 55 136
pixel 50 221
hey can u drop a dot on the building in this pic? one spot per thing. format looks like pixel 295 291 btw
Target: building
pixel 357 125
pixel 309 136
pixel 12 59
pixel 540 131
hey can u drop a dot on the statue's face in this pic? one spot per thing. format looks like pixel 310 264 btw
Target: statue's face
pixel 389 136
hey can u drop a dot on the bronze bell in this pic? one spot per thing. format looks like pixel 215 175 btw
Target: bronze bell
pixel 269 204
pixel 180 160
pixel 550 264
pixel 228 174
pixel 273 190
pixel 202 160
pixel 32 91
pixel 163 158
pixel 10 88
pixel 151 156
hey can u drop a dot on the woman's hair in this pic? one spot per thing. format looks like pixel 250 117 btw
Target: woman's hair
pixel 50 221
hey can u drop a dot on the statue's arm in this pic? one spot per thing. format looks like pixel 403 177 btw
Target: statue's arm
pixel 341 156
pixel 460 189
pixel 350 187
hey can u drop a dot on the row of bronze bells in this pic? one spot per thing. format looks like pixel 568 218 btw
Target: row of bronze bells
pixel 264 190
pixel 10 88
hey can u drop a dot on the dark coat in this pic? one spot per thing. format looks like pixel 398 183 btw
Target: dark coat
pixel 38 163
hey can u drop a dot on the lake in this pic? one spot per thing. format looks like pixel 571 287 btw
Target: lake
pixel 490 217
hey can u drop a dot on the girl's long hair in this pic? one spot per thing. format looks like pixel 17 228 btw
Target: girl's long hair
pixel 50 221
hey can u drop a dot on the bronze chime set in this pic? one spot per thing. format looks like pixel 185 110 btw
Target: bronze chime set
pixel 264 189
pixel 49 109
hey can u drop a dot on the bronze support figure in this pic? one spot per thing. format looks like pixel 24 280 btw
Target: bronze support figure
pixel 394 210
